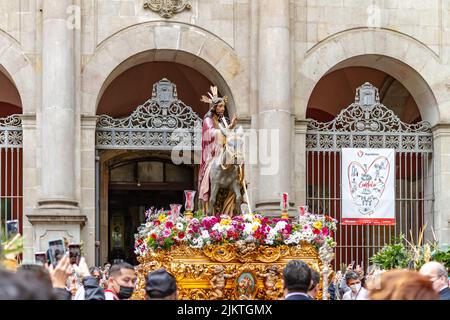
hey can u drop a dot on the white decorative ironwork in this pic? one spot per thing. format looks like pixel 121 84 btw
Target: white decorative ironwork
pixel 167 8
pixel 161 123
pixel 367 123
pixel 11 132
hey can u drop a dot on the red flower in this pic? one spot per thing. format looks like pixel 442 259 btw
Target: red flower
pixel 181 235
pixel 157 223
pixel 316 231
pixel 153 235
pixel 169 225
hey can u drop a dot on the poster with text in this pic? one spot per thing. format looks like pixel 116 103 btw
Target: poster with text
pixel 368 186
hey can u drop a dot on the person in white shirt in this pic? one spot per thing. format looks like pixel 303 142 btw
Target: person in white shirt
pixel 357 291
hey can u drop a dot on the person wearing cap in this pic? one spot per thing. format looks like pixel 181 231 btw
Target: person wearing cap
pixel 161 285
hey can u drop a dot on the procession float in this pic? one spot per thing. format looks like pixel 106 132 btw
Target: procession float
pixel 225 250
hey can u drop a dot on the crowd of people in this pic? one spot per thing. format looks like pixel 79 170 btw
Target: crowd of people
pixel 300 282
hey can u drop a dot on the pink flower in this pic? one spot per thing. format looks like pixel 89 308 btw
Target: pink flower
pixel 166 233
pixel 325 231
pixel 169 224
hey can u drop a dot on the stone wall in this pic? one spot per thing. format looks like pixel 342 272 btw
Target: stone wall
pixel 222 39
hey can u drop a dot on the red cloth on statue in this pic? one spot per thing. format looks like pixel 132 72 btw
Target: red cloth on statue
pixel 210 149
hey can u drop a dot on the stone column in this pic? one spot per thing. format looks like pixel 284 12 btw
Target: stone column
pixel 57 214
pixel 274 103
pixel 440 220
pixel 58 107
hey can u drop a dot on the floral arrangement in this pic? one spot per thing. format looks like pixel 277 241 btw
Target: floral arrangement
pixel 161 230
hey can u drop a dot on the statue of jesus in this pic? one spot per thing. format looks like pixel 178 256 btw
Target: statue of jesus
pixel 212 141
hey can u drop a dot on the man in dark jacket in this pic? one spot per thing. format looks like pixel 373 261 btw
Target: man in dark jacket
pixel 297 280
pixel 439 276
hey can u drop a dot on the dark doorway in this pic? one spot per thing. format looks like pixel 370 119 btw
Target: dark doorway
pixel 135 186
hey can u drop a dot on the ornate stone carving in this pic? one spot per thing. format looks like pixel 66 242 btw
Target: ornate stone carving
pixel 167 8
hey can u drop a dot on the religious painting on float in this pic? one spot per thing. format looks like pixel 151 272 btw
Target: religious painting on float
pixel 245 286
pixel 368 186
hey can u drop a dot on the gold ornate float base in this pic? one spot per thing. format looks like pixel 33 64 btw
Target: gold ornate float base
pixel 229 272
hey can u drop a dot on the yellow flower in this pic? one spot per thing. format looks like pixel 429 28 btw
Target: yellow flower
pixel 225 221
pixel 257 220
pixel 162 218
pixel 255 227
pixel 318 224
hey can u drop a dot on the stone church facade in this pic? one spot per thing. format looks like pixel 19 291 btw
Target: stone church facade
pixel 65 62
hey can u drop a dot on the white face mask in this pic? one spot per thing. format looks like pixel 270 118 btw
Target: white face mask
pixel 355 287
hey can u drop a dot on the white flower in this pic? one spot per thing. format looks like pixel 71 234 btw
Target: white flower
pixel 280 225
pixel 179 226
pixel 248 228
pixel 205 234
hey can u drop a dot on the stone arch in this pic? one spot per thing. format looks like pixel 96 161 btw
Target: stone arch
pixel 404 58
pixel 159 41
pixel 16 66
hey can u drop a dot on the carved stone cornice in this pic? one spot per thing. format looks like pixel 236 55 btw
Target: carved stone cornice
pixel 57 219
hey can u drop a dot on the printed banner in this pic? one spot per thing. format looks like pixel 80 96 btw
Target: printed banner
pixel 368 186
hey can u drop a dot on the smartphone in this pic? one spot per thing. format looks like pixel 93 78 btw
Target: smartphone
pixel 74 253
pixel 12 228
pixel 40 258
pixel 57 251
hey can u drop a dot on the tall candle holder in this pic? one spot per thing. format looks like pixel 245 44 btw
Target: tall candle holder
pixel 302 210
pixel 326 255
pixel 189 203
pixel 175 209
pixel 284 205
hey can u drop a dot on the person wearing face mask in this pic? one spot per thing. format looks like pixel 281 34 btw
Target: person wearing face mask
pixel 121 282
pixel 356 292
pixel 438 275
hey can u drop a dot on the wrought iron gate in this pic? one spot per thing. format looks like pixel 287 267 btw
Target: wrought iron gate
pixel 367 123
pixel 11 193
pixel 162 123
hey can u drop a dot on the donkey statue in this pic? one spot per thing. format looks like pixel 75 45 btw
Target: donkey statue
pixel 227 166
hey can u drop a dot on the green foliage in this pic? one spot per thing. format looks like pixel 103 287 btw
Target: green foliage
pixel 392 256
pixel 12 246
pixel 442 256
pixel 199 214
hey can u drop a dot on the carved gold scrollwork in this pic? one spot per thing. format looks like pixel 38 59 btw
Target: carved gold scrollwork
pixel 213 272
pixel 221 253
pixel 269 254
